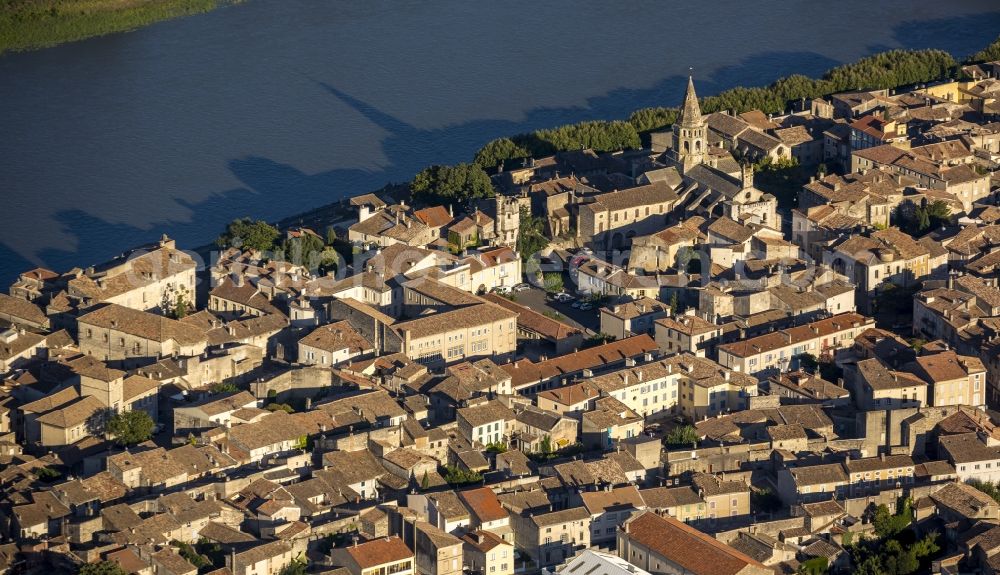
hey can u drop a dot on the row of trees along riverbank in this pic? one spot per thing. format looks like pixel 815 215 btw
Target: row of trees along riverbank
pixel 892 69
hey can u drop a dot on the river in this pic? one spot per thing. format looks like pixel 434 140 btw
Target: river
pixel 270 107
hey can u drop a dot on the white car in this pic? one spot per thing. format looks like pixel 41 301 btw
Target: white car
pixel 587 307
pixel 521 287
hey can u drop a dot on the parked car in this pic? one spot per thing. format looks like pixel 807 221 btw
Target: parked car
pixel 563 297
pixel 577 304
pixel 521 287
pixel 501 290
pixel 587 306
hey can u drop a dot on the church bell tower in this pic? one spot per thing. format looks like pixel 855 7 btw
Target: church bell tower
pixel 690 132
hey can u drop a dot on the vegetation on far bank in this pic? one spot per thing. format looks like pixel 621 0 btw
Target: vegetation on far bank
pixel 463 182
pixel 891 69
pixel 31 24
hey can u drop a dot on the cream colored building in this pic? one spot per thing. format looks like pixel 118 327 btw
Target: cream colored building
pixel 876 387
pixel 69 423
pixel 133 337
pixel 549 538
pixel 483 330
pixel 953 379
pixel 871 475
pixel 486 553
pixel 887 256
pixel 687 333
pixel 774 351
pixel 436 552
pixel 385 556
pixel 148 278
pixel 600 277
pixel 265 559
pixel 973 459
pixel 332 344
pixel 614 218
pixel 680 384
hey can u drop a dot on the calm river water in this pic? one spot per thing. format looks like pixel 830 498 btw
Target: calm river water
pixel 270 107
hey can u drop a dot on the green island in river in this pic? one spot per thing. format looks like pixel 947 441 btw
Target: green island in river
pixel 32 24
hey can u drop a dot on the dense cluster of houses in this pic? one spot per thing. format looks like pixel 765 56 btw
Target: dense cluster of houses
pixel 736 391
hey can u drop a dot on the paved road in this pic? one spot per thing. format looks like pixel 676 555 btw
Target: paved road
pixel 535 299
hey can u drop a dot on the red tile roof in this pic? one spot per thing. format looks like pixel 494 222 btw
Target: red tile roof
pixel 694 551
pixel 379 552
pixel 484 504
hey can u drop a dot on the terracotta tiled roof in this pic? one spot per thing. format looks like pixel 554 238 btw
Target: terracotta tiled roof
pixel 433 216
pixel 337 336
pixel 379 552
pixel 695 552
pixel 484 504
pixel 526 371
pixel 532 320
pixel 570 394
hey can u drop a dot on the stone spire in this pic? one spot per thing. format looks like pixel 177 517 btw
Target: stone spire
pixel 691 112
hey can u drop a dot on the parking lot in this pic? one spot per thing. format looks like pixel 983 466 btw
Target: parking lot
pixel 537 299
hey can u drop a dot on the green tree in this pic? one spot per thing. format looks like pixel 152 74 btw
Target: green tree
pixel 650 119
pixel 545 446
pixel 46 474
pixel 888 524
pixel 451 184
pixel 329 259
pixel 987 54
pixel 685 435
pixel 131 427
pixel 223 387
pixel 458 476
pixel 181 307
pixel 927 546
pixel 599 338
pixel 674 303
pixel 870 566
pixel 530 235
pixel 296 567
pixel 331 236
pixel 814 566
pixel 987 487
pixel 499 150
pixel 189 553
pixel 102 568
pixel 808 362
pixel 249 235
pixel 553 282
pixel 425 481
pixel 923 219
pixel 496 447
pixel 304 250
pixel 599 136
pixel 938 213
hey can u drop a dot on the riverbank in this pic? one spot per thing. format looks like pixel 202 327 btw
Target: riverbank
pixel 34 24
pixel 892 69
